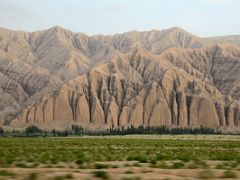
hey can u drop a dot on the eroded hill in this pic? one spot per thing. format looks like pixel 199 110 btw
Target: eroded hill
pixel 56 78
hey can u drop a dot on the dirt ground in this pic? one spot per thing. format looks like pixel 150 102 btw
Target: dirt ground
pixel 120 172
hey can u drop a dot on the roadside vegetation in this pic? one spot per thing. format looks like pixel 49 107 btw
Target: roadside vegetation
pixel 127 157
pixel 33 152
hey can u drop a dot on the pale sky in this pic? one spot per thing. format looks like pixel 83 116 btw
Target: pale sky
pixel 201 17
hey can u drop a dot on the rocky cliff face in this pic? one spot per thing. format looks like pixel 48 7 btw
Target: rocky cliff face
pixel 57 78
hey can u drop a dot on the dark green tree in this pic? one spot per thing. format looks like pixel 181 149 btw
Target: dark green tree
pixel 1 131
pixel 33 130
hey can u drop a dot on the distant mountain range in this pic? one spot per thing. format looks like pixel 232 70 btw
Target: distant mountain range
pixel 56 78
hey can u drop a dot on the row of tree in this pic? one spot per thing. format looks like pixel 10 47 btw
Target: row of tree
pixel 79 131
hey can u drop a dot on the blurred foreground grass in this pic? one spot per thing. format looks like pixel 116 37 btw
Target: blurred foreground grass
pixel 33 152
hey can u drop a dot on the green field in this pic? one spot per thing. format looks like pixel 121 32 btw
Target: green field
pixel 155 152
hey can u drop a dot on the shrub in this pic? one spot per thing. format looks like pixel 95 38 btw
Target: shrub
pixel 101 166
pixel 141 158
pixel 130 157
pixel 68 176
pixel 114 166
pixel 229 174
pixel 6 173
pixel 206 174
pixel 137 157
pixel 178 165
pixel 153 162
pixel 201 164
pixel 101 174
pixel 192 166
pixel 234 164
pixel 128 172
pixel 220 166
pixel 80 156
pixel 126 165
pixel 32 176
pixel 137 164
pixel 160 157
pixel 79 161
pixel 21 165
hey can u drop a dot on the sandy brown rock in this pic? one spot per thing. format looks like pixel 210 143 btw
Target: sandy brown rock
pixel 57 78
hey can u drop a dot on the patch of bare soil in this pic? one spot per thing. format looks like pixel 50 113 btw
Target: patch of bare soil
pixel 119 170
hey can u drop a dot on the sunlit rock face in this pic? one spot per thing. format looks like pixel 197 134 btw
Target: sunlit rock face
pixel 57 78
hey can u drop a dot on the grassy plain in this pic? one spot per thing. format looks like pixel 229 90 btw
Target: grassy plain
pixel 121 157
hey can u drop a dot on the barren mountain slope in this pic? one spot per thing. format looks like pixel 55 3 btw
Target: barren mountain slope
pixel 235 39
pixel 140 88
pixel 58 55
pixel 56 78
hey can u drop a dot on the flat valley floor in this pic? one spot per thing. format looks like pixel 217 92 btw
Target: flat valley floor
pixel 121 157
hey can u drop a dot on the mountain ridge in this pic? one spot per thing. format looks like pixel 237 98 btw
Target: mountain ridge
pixel 170 77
